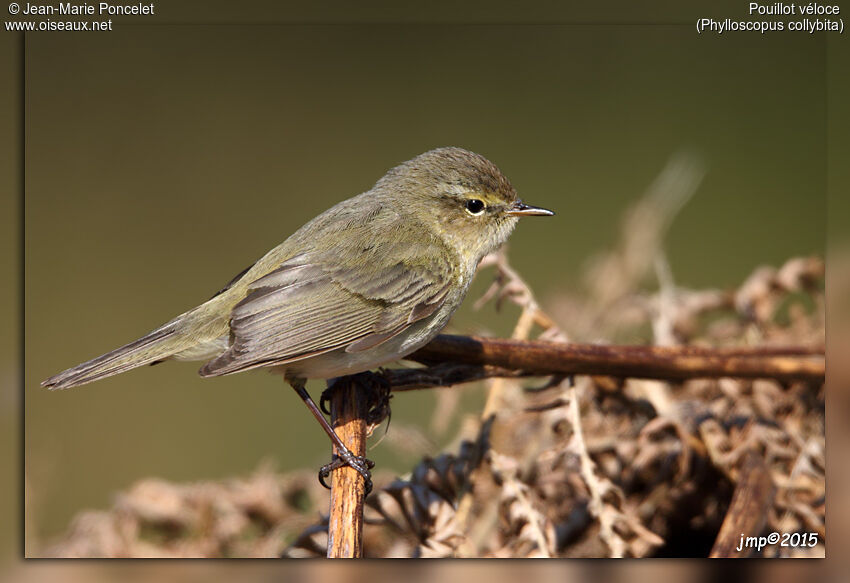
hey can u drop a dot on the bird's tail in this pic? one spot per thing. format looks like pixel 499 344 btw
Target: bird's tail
pixel 162 343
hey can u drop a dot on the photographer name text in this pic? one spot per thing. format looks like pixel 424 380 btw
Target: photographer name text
pixel 101 8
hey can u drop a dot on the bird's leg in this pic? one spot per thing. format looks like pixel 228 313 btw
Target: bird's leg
pixel 343 457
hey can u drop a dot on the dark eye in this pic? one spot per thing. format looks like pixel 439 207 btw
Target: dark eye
pixel 474 206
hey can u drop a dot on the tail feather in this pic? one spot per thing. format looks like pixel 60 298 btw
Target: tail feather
pixel 148 349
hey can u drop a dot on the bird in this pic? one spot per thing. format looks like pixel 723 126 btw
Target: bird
pixel 364 284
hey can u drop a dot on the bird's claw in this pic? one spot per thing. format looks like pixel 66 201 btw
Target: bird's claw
pixel 358 462
pixel 379 407
pixel 325 399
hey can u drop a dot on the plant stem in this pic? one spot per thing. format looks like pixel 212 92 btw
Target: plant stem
pixel 348 489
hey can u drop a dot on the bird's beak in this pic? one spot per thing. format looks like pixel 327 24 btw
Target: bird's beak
pixel 520 209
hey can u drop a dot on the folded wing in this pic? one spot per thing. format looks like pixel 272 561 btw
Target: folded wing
pixel 330 299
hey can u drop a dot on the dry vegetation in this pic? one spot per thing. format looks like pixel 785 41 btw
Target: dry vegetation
pixel 560 467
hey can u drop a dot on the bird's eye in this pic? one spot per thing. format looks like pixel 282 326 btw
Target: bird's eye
pixel 474 206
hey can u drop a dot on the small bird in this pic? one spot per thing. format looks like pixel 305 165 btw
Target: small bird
pixel 365 283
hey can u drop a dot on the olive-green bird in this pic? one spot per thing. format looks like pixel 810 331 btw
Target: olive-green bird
pixel 365 283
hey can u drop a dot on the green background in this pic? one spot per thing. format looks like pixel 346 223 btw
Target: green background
pixel 161 160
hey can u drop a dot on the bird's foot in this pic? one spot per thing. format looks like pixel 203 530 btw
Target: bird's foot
pixel 378 399
pixel 346 458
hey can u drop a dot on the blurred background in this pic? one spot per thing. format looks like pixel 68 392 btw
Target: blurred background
pixel 162 160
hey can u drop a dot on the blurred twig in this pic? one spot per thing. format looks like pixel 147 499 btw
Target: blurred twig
pixel 614 274
pixel 602 490
pixel 747 513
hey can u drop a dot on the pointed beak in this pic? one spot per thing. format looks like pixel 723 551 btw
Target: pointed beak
pixel 520 209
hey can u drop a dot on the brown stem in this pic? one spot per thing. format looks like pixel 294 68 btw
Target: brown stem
pixel 348 489
pixel 747 513
pixel 444 374
pixel 528 357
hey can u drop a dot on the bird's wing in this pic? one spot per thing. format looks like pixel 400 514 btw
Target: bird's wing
pixel 333 298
